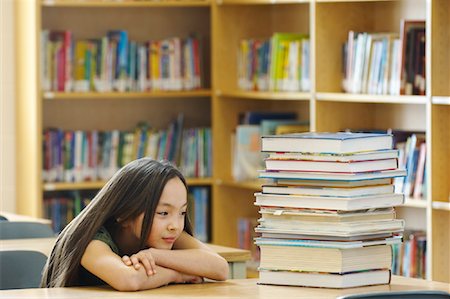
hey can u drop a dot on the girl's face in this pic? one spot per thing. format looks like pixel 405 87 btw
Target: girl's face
pixel 168 222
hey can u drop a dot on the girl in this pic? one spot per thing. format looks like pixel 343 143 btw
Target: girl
pixel 134 235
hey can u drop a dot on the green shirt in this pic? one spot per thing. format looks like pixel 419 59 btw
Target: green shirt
pixel 86 277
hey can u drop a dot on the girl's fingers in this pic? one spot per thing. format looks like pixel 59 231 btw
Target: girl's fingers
pixel 135 262
pixel 147 266
pixel 126 260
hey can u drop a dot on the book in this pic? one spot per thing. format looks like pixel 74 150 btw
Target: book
pixel 296 257
pixel 337 143
pixel 326 191
pixel 291 235
pixel 341 229
pixel 331 166
pixel 325 183
pixel 327 176
pixel 374 155
pixel 247 158
pixel 256 117
pixel 328 280
pixel 329 203
pixel 393 240
pixel 329 216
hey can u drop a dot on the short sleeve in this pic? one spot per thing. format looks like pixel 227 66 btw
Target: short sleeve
pixel 104 236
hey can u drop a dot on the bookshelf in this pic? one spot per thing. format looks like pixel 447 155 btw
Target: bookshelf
pixel 101 110
pixel 439 214
pixel 226 22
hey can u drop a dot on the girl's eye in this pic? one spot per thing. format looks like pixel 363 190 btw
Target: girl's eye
pixel 184 213
pixel 162 213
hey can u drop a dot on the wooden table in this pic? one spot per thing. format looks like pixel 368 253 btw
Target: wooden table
pixel 238 288
pixel 235 257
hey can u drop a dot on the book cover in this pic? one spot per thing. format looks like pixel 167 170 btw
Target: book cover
pixel 337 143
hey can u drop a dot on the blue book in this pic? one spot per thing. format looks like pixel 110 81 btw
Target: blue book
pixel 255 117
pixel 332 143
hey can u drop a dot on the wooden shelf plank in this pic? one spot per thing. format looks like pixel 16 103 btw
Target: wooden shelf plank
pixel 414 203
pixel 252 185
pixel 126 95
pixel 346 1
pixel 441 100
pixel 441 205
pixel 255 2
pixel 265 95
pixel 369 98
pixel 61 186
pixel 125 3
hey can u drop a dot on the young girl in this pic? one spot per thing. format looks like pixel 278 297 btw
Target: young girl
pixel 134 235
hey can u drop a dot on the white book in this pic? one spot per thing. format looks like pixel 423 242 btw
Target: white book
pixel 325 280
pixel 328 243
pixel 328 176
pixel 326 191
pixel 362 156
pixel 322 259
pixel 331 166
pixel 325 183
pixel 340 229
pixel 329 203
pixel 291 235
pixel 335 143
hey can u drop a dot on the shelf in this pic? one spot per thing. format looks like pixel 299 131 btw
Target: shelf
pixel 199 181
pixel 441 100
pixel 126 95
pixel 414 203
pixel 346 1
pixel 441 205
pixel 265 95
pixel 61 186
pixel 252 185
pixel 256 2
pixel 369 98
pixel 124 3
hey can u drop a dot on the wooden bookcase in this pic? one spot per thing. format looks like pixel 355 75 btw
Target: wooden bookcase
pixel 225 22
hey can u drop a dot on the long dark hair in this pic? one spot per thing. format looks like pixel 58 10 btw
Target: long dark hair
pixel 133 190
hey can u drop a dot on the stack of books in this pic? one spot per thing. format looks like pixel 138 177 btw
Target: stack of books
pixel 328 220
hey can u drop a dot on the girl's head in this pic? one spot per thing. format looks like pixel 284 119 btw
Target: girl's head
pixel 132 198
pixel 168 219
pixel 138 197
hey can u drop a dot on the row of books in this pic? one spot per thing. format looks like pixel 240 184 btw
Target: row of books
pixel 384 63
pixel 409 257
pixel 77 156
pixel 280 63
pixel 62 207
pixel 328 218
pixel 199 212
pixel 115 63
pixel 247 157
pixel 412 156
pixel 411 146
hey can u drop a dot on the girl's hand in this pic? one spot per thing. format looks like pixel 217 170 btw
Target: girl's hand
pixel 142 258
pixel 187 278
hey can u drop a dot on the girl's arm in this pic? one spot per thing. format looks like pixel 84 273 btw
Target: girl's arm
pixel 101 261
pixel 189 256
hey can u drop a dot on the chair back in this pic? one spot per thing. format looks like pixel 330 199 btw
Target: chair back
pixel 24 230
pixel 21 269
